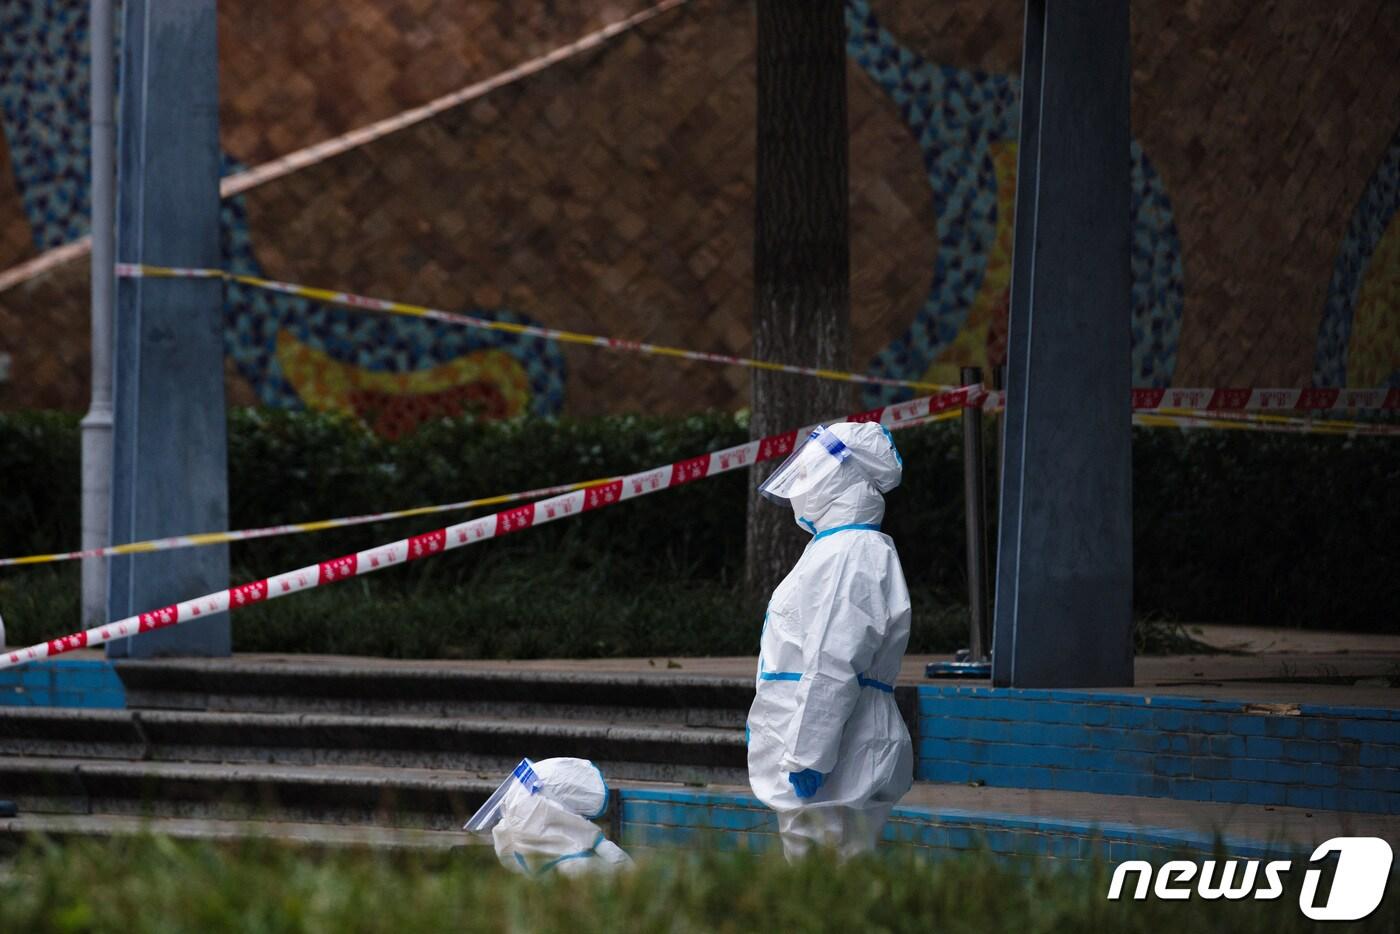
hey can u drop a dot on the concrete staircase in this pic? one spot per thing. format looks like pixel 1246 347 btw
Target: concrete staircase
pixel 399 747
pixel 377 752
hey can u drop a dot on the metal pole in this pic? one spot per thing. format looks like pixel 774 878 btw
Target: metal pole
pixel 975 507
pixel 97 425
pixel 999 384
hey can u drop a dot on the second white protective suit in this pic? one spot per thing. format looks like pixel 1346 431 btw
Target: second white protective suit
pixel 545 823
pixel 824 715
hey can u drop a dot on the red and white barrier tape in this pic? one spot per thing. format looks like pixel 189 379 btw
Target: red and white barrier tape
pixel 486 527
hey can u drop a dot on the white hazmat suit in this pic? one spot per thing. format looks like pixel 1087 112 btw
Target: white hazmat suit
pixel 833 639
pixel 546 824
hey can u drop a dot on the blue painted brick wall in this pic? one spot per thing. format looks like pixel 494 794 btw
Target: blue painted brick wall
pixel 62 683
pixel 698 819
pixel 1334 758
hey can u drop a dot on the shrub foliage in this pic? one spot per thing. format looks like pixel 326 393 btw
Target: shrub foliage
pixel 1229 527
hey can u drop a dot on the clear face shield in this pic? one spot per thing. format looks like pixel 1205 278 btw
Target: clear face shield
pixel 489 813
pixel 819 456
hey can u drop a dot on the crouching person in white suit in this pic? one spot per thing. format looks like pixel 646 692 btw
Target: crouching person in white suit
pixel 541 820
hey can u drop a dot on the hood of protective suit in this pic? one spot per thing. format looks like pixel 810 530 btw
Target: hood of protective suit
pixel 574 783
pixel 852 495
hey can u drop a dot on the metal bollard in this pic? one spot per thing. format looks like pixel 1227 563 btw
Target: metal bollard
pixel 975 499
pixel 999 384
pixel 974 662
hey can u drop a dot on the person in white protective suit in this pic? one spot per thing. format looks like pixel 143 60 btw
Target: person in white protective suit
pixel 541 820
pixel 827 746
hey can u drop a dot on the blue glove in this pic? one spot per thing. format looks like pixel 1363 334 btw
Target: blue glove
pixel 806 782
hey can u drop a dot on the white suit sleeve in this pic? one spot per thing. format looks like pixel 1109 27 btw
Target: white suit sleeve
pixel 843 617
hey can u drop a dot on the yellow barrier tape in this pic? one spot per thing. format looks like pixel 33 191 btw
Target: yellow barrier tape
pixel 214 538
pixel 1254 421
pixel 365 303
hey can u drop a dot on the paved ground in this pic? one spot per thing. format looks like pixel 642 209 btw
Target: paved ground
pixel 1265 825
pixel 1257 823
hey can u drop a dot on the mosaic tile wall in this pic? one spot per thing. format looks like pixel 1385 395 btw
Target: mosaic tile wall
pixel 1359 343
pixel 613 194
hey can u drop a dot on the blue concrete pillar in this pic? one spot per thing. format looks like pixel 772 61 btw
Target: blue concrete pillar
pixel 1064 558
pixel 169 473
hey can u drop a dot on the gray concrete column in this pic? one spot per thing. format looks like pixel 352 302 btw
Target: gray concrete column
pixel 1064 556
pixel 169 473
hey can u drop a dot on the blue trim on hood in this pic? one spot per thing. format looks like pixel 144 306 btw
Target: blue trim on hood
pixel 606 794
pixel 897 459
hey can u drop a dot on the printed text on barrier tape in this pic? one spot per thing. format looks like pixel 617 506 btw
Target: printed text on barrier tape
pixel 365 303
pixel 476 530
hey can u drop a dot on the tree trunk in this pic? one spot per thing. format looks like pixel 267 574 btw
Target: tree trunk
pixel 801 245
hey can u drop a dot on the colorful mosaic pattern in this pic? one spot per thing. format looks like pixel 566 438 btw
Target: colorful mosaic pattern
pixel 488 384
pixel 44 105
pixel 966 123
pixel 1358 343
pixel 414 354
pixel 44 108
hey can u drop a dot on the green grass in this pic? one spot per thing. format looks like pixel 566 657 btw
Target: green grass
pixel 157 885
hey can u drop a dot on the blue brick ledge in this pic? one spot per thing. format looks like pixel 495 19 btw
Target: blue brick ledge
pixel 734 821
pixel 62 683
pixel 1313 756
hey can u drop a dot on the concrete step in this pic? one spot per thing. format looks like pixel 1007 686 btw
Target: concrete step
pixel 15 831
pixel 375 688
pixel 464 745
pixel 348 795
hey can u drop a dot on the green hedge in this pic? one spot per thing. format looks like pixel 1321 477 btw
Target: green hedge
pixel 1269 529
pixel 1229 526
